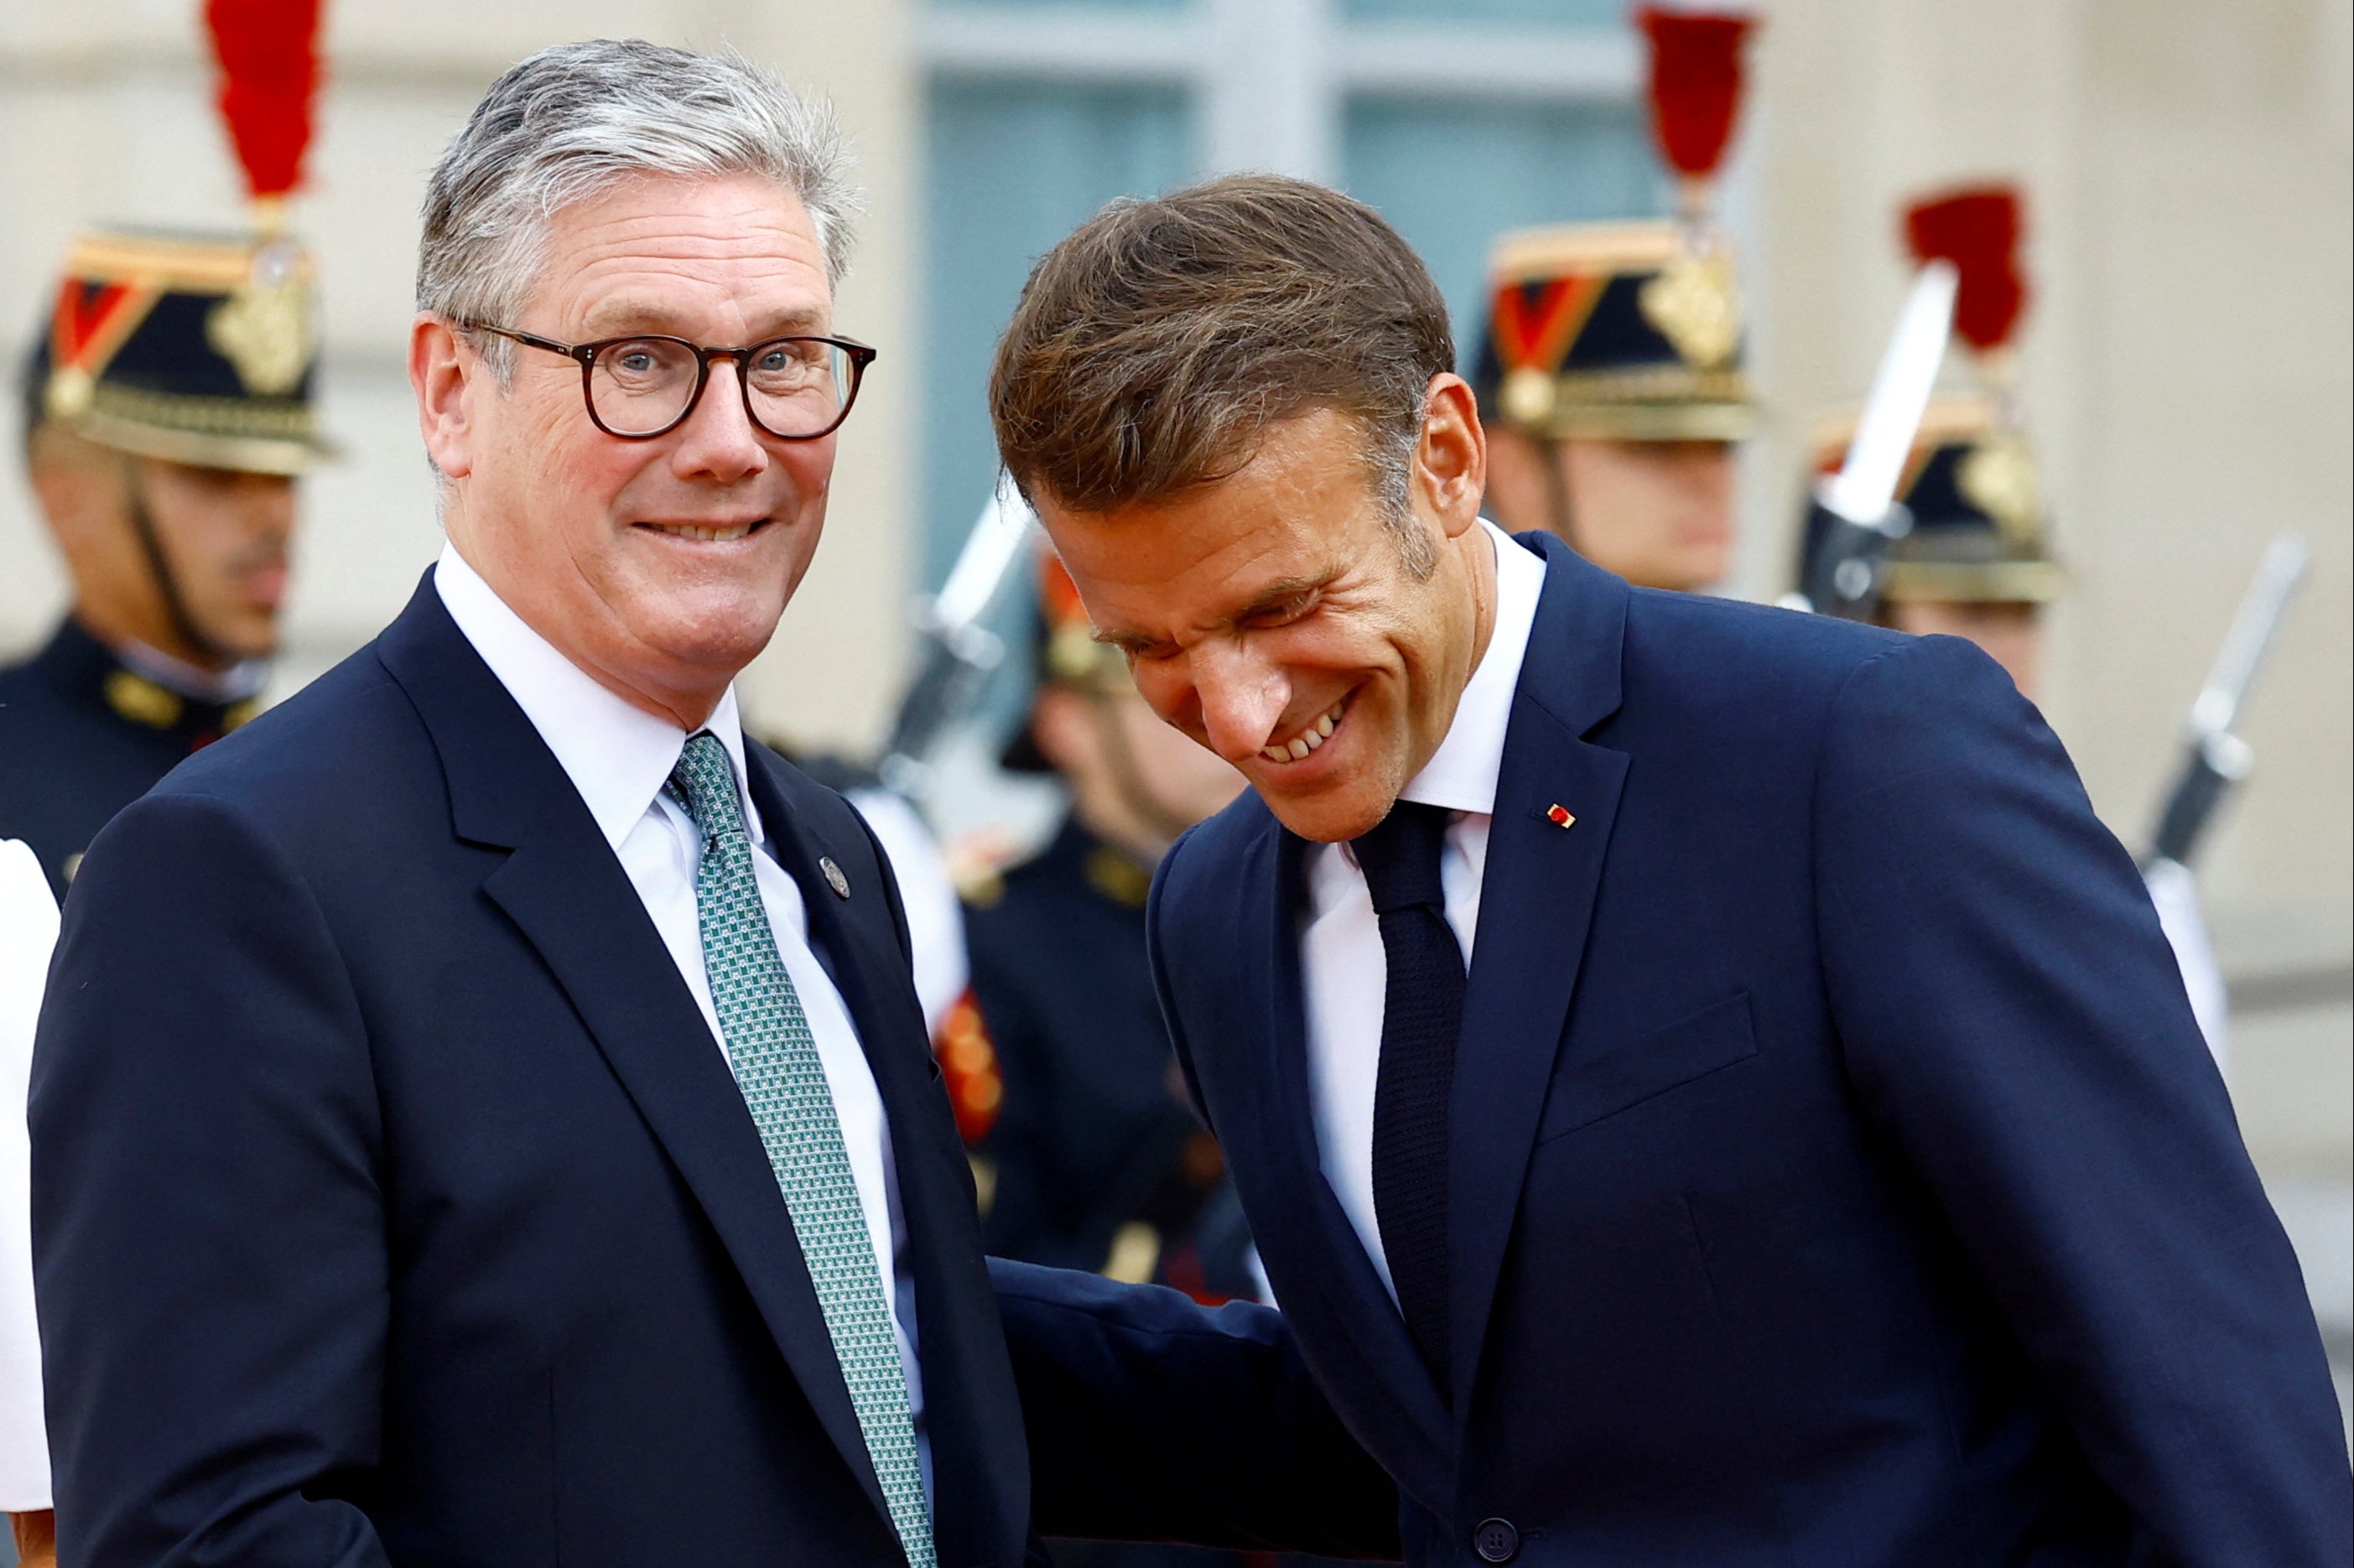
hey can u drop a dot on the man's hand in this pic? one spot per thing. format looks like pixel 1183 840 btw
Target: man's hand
pixel 37 1538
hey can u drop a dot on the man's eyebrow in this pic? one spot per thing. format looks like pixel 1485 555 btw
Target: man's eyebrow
pixel 612 318
pixel 1278 595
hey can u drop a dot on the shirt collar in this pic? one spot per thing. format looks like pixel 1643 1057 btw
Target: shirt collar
pixel 617 756
pixel 223 687
pixel 1461 774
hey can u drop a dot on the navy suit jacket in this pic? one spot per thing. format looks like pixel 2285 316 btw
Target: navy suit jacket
pixel 393 1205
pixel 1838 1174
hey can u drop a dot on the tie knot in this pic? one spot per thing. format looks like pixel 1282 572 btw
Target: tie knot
pixel 704 784
pixel 1400 857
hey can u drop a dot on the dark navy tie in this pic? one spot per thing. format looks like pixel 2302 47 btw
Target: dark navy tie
pixel 1422 1015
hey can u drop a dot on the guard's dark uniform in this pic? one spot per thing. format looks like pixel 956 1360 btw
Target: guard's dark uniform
pixel 1094 1135
pixel 192 349
pixel 81 737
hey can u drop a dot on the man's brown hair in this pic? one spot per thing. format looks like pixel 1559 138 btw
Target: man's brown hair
pixel 1154 346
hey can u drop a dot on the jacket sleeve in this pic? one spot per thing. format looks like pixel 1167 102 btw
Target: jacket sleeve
pixel 2013 1019
pixel 1153 1418
pixel 209 1248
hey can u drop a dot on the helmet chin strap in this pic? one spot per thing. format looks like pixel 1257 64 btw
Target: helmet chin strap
pixel 175 605
pixel 1557 492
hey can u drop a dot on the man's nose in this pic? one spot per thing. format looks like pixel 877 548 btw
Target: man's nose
pixel 1243 697
pixel 719 440
pixel 267 502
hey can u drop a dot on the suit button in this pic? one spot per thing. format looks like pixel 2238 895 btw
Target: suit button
pixel 1496 1541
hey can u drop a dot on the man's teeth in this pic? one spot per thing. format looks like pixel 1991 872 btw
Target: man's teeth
pixel 1309 739
pixel 687 531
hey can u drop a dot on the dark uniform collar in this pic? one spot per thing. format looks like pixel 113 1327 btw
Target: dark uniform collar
pixel 85 670
pixel 1110 872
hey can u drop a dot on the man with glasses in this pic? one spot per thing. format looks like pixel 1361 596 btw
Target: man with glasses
pixel 560 1172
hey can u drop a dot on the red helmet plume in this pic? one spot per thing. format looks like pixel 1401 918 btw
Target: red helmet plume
pixel 1695 83
pixel 1978 229
pixel 270 69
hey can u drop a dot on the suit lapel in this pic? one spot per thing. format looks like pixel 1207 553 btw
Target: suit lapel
pixel 1400 1410
pixel 980 1479
pixel 1536 904
pixel 568 893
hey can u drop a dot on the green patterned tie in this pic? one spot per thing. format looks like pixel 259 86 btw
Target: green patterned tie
pixel 776 1063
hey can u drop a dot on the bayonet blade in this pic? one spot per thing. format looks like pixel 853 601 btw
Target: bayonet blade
pixel 982 566
pixel 2251 638
pixel 1864 489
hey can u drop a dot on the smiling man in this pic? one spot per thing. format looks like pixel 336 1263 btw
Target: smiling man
pixel 1705 1088
pixel 482 1115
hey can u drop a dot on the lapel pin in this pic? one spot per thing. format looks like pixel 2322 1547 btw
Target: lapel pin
pixel 833 877
pixel 1558 815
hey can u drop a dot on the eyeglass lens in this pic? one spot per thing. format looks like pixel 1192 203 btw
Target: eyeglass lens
pixel 794 387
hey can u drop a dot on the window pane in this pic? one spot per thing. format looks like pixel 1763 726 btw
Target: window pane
pixel 1556 13
pixel 1012 167
pixel 1452 176
pixel 1062 5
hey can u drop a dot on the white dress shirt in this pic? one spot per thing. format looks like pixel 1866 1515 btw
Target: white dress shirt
pixel 618 757
pixel 1343 968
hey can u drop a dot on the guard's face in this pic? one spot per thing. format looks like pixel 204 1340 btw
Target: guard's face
pixel 659 567
pixel 1132 776
pixel 1271 615
pixel 224 537
pixel 1659 513
pixel 2010 633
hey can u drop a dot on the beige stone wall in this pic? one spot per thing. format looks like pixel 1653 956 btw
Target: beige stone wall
pixel 104 117
pixel 2185 353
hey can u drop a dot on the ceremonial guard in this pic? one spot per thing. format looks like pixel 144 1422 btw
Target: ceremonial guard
pixel 1096 1162
pixel 1610 374
pixel 168 409
pixel 1975 560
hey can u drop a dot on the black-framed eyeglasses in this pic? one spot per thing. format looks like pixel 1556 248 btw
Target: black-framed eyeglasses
pixel 796 388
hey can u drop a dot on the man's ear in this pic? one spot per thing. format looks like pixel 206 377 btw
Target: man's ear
pixel 1451 459
pixel 441 366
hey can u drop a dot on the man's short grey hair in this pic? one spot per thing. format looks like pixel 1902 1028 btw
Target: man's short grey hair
pixel 569 122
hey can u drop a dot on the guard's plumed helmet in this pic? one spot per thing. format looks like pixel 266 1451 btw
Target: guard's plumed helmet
pixel 1633 330
pixel 196 348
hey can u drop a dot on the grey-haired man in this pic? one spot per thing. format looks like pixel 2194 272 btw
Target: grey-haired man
pixel 518 1142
